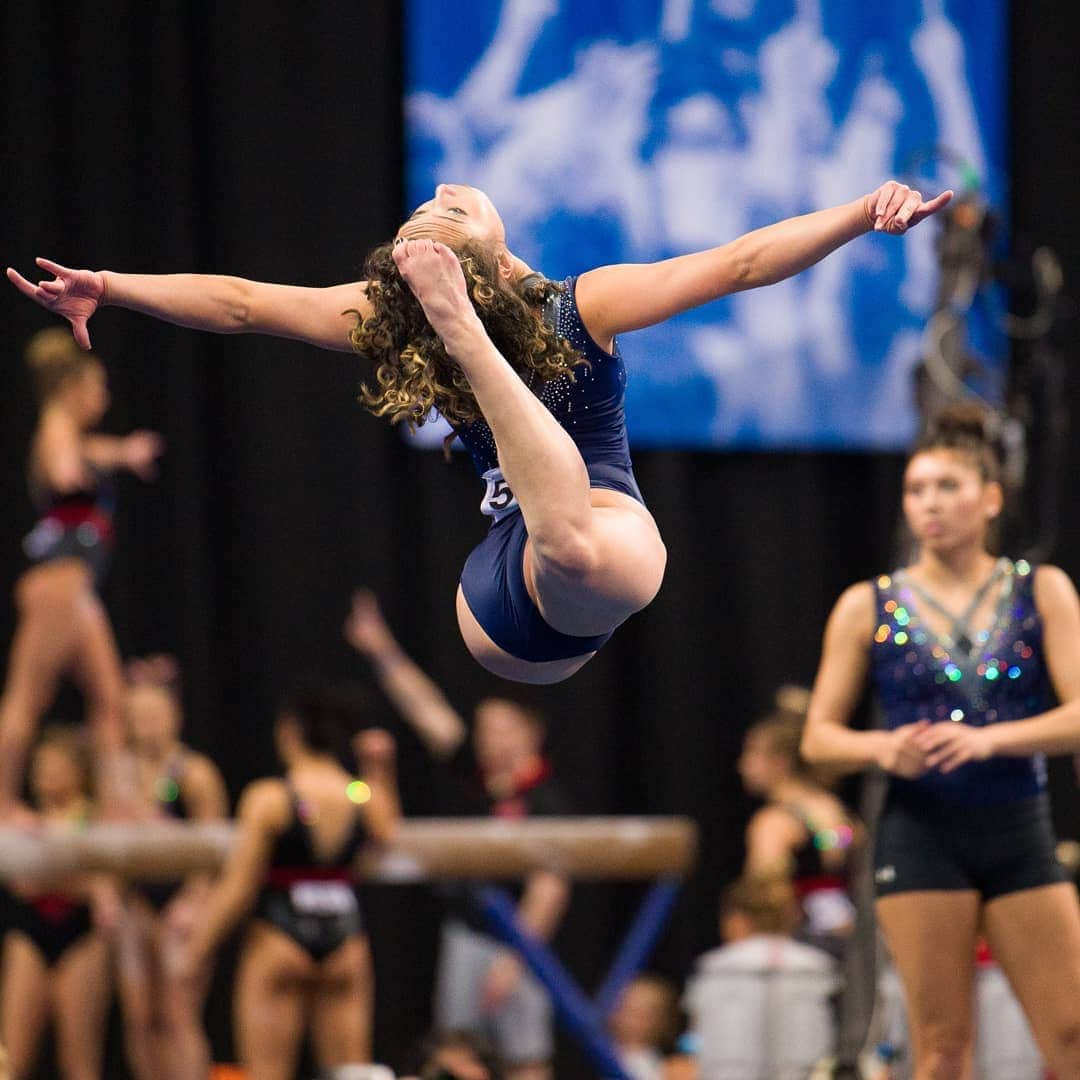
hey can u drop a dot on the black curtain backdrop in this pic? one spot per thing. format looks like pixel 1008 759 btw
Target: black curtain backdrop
pixel 265 140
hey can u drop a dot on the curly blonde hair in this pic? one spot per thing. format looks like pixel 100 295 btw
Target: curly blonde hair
pixel 414 374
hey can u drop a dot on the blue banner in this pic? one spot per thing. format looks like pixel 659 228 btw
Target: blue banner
pixel 634 130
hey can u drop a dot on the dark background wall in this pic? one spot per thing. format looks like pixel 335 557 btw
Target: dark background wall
pixel 264 140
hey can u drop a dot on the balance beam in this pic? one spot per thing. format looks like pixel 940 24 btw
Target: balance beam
pixel 425 849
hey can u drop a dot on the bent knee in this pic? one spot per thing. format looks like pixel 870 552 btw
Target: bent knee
pixel 1067 1039
pixel 946 1057
pixel 570 552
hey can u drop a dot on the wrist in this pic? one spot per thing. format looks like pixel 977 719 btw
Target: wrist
pixel 877 743
pixel 387 655
pixel 866 213
pixel 107 288
pixel 992 739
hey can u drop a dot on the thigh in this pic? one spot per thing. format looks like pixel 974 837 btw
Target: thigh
pixel 523 1025
pixel 137 968
pixel 1035 938
pixel 620 573
pixel 97 667
pixel 270 1003
pixel 932 936
pixel 45 635
pixel 24 1001
pixel 464 958
pixel 82 988
pixel 342 1004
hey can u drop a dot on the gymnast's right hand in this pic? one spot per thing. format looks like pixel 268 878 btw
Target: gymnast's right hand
pixel 901 753
pixel 365 629
pixel 74 294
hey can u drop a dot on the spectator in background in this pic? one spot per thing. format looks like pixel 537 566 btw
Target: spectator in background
pixel 804 831
pixel 163 1028
pixel 56 957
pixel 482 985
pixel 305 963
pixel 761 1005
pixel 643 1026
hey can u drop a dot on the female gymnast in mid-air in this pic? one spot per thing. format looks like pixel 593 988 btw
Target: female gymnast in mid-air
pixel 526 370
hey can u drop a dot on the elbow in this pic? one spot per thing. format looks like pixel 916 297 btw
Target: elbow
pixel 810 748
pixel 238 307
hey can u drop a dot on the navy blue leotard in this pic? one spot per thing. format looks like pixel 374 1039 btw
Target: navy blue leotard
pixel 1003 677
pixel 985 826
pixel 590 408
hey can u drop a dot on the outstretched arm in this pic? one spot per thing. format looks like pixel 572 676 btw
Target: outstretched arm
pixel 422 705
pixel 615 299
pixel 137 452
pixel 221 305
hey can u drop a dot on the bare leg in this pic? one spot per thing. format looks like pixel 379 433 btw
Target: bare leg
pixel 270 1004
pixel 47 599
pixel 591 562
pixel 342 1007
pixel 1035 937
pixel 82 987
pixel 138 976
pixel 98 669
pixel 183 1037
pixel 24 1004
pixel 931 936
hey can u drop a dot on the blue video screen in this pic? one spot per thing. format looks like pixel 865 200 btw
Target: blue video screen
pixel 635 130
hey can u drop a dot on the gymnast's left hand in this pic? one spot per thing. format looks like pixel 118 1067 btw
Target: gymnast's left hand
pixel 949 745
pixel 74 294
pixel 895 208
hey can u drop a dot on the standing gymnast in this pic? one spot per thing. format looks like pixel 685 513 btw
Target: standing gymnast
pixel 965 651
pixel 803 832
pixel 56 958
pixel 529 375
pixel 62 625
pixel 163 1030
pixel 305 963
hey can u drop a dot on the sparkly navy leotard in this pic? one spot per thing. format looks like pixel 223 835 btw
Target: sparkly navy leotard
pixel 999 677
pixel 590 408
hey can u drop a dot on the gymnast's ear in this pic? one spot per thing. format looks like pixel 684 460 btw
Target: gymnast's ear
pixel 506 263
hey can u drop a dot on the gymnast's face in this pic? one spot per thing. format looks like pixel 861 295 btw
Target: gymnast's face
pixel 153 718
pixel 947 502
pixel 55 776
pixel 641 1015
pixel 760 766
pixel 457 215
pixel 504 736
pixel 87 395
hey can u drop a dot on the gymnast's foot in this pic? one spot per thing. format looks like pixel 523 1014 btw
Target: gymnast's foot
pixel 434 274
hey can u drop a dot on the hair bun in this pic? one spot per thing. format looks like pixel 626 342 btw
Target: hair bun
pixel 52 348
pixel 962 421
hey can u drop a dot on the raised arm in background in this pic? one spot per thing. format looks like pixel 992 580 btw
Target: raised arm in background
pixel 421 704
